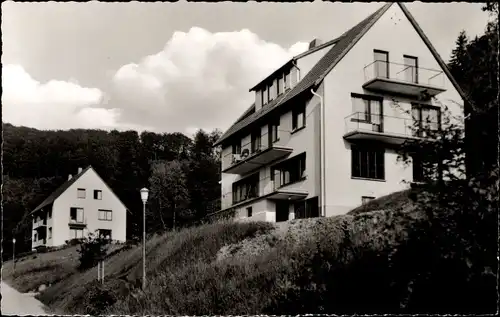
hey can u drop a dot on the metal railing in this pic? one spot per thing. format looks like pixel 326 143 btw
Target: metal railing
pixel 266 185
pixel 254 147
pixel 405 73
pixel 401 126
pixel 76 222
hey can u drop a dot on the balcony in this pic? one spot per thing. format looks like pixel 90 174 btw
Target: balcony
pixel 403 79
pixel 268 189
pixel 42 223
pixel 257 153
pixel 387 129
pixel 77 224
pixel 273 190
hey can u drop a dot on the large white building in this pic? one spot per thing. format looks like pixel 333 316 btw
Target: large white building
pixel 83 204
pixel 320 137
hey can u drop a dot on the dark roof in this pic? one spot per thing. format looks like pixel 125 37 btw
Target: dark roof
pixel 316 74
pixel 294 59
pixel 343 44
pixel 61 189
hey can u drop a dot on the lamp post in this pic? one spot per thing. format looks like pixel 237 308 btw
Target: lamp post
pixel 14 252
pixel 144 197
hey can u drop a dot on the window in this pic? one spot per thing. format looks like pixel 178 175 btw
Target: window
pixel 271 88
pixel 105 233
pixel 249 212
pixel 367 162
pixel 381 63
pixel 237 148
pixel 76 215
pixel 81 193
pixel 289 171
pixel 286 80
pixel 265 96
pixel 246 188
pixel 50 233
pixel 308 208
pixel 280 85
pixel 256 141
pixel 367 109
pixel 274 131
pixel 425 117
pixel 299 118
pixel 366 199
pixel 36 236
pixel 105 214
pixel 97 194
pixel 411 69
pixel 50 214
pixel 75 233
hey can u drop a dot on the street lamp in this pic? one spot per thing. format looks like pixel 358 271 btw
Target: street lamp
pixel 14 252
pixel 144 197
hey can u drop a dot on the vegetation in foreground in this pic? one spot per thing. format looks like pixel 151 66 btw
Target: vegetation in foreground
pixel 422 256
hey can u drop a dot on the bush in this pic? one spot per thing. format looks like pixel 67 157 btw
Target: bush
pixel 98 298
pixel 92 249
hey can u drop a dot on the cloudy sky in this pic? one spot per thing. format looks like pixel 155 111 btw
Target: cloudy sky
pixel 170 67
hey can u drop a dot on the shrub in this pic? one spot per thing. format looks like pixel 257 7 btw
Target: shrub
pixel 92 249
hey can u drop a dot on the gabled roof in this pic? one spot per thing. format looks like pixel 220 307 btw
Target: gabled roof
pixel 61 189
pixel 317 73
pixel 343 45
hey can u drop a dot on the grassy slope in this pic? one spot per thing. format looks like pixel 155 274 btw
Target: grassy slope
pixel 231 268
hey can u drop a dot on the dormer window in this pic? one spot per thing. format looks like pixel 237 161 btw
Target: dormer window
pixel 265 96
pixel 280 85
pixel 286 80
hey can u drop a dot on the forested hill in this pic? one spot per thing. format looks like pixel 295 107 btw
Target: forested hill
pixel 181 172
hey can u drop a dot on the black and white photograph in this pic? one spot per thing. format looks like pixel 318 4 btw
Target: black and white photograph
pixel 249 158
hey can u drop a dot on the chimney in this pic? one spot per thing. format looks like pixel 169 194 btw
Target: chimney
pixel 79 170
pixel 69 176
pixel 314 43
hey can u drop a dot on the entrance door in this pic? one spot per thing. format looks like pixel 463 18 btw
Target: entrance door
pixel 282 211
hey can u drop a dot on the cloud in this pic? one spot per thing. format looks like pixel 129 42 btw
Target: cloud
pixel 199 80
pixel 52 105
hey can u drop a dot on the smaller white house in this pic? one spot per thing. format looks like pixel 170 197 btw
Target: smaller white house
pixel 83 204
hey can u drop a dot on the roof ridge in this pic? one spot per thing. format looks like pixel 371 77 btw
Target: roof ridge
pixel 318 71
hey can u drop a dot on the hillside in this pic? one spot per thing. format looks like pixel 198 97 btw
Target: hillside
pixel 365 262
pixel 36 162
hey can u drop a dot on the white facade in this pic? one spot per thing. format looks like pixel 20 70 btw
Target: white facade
pixel 87 205
pixel 354 76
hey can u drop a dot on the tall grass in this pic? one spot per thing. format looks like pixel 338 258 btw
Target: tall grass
pixel 167 255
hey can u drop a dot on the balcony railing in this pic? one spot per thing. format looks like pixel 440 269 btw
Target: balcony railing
pixel 257 152
pixel 269 188
pixel 390 129
pixel 77 223
pixel 403 79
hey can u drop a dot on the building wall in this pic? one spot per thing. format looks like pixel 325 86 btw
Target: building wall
pixel 61 210
pixel 304 140
pixel 342 192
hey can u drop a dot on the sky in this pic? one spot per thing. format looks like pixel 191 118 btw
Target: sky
pixel 171 67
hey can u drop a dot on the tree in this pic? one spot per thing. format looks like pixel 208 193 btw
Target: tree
pixel 459 56
pixel 204 172
pixel 169 195
pixel 459 231
pixel 474 64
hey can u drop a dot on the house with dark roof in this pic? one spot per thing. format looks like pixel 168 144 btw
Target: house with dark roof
pixel 321 136
pixel 83 204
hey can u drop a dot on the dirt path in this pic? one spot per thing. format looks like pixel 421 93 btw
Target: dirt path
pixel 15 303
